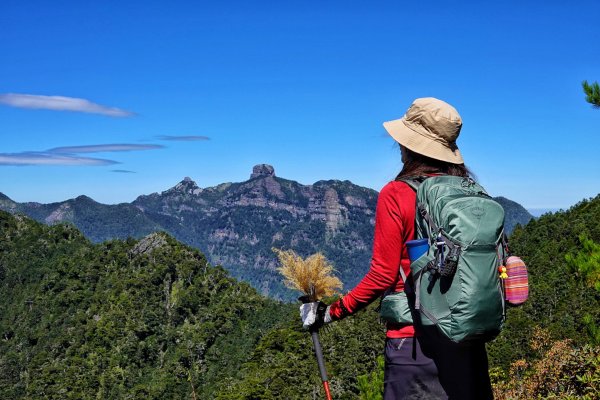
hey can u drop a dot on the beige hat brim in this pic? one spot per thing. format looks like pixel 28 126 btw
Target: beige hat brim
pixel 421 144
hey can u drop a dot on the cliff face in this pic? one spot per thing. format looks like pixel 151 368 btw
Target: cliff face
pixel 237 224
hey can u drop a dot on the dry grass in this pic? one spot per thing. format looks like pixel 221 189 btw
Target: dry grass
pixel 564 370
pixel 312 276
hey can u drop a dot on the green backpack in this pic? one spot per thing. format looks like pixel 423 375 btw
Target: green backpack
pixel 455 285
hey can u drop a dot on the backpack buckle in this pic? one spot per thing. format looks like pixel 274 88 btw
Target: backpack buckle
pixel 451 262
pixel 445 265
pixel 438 265
pixel 467 182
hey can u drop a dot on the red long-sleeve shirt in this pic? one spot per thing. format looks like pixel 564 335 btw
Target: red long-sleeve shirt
pixel 394 226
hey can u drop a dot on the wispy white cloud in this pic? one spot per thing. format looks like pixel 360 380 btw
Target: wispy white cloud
pixel 40 158
pixel 69 155
pixel 122 171
pixel 60 103
pixel 192 138
pixel 104 148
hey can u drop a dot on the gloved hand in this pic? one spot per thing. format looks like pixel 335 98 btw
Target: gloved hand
pixel 314 315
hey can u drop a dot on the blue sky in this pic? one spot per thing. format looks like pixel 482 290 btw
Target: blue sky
pixel 117 99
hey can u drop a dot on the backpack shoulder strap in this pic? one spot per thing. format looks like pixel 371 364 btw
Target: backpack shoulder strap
pixel 413 181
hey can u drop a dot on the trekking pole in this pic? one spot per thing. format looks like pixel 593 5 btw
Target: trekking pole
pixel 314 333
pixel 319 355
pixel 313 277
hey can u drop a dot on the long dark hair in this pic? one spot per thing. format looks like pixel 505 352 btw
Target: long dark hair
pixel 416 165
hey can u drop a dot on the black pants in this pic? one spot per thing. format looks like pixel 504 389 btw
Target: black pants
pixel 432 367
pixel 409 374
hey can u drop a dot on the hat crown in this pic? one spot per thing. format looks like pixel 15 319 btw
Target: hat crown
pixel 429 127
pixel 435 116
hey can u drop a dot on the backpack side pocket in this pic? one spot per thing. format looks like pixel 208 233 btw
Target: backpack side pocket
pixel 395 308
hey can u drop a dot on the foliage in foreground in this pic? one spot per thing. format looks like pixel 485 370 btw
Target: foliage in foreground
pixel 371 384
pixel 283 365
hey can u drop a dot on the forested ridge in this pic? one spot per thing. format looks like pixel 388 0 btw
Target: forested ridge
pixel 121 319
pixel 152 319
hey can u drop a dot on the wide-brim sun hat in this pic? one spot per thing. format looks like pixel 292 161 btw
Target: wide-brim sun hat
pixel 430 127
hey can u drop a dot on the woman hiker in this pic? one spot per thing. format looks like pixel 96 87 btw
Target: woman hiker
pixel 421 364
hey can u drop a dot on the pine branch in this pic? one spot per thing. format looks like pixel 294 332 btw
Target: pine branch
pixel 592 93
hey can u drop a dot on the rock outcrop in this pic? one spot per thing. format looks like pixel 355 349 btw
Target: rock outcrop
pixel 262 170
pixel 186 186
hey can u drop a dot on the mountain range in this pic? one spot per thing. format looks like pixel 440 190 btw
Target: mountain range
pixel 237 224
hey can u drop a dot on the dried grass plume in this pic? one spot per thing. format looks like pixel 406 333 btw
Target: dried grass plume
pixel 305 274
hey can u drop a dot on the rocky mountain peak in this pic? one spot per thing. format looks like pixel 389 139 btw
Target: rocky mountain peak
pixel 186 186
pixel 262 170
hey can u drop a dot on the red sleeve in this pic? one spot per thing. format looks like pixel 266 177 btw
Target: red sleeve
pixel 394 224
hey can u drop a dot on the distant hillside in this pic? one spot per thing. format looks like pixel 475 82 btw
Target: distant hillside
pixel 237 224
pixel 514 214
